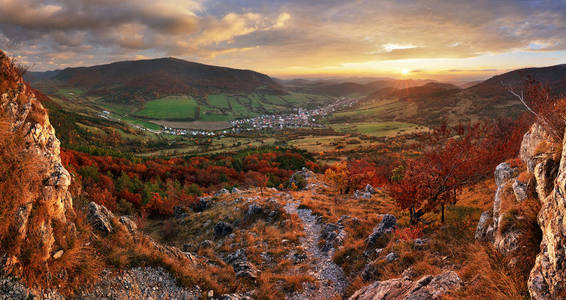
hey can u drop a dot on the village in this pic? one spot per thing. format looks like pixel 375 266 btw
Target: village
pixel 299 118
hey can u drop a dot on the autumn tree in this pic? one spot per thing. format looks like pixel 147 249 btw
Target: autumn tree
pixel 452 157
pixel 338 175
pixel 257 179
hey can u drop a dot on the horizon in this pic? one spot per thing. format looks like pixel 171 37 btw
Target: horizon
pixel 438 40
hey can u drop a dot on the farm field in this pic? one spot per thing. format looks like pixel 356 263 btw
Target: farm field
pixel 170 108
pixel 379 128
pixel 204 125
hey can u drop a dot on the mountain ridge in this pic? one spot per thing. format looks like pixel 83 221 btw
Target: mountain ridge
pixel 143 80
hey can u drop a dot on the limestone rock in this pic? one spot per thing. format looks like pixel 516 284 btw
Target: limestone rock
pixel 130 225
pixel 428 287
pixel 241 266
pixel 369 189
pixel 100 217
pixel 26 116
pixel 484 230
pixel 529 145
pixel 387 225
pixel 503 173
pixel 489 230
pixel 222 192
pixel 548 277
pixel 300 178
pixel 520 190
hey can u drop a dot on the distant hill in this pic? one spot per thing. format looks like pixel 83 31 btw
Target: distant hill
pixel 434 102
pixel 142 80
pixel 340 89
pixel 553 76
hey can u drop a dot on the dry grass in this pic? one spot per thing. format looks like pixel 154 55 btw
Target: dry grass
pixel 278 286
pixel 549 148
pixel 123 250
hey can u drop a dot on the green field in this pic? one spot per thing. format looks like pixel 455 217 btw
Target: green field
pixel 220 101
pixel 170 108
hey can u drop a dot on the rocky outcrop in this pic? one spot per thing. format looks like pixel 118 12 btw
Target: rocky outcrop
pixel 27 117
pixel 548 276
pixel 387 225
pixel 141 283
pixel 490 227
pixel 541 156
pixel 301 179
pixel 242 267
pixel 222 229
pixel 100 218
pixel 428 287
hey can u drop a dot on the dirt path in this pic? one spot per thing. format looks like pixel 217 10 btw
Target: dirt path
pixel 330 280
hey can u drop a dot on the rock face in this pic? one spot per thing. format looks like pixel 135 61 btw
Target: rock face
pixel 26 116
pixel 428 287
pixel 548 276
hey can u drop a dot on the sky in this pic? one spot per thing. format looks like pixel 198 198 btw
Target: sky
pixel 446 40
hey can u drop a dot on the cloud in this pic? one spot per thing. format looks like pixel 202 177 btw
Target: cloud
pixel 276 35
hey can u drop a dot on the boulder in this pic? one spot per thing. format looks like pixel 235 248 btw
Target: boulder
pixel 392 256
pixel 235 190
pixel 428 287
pixel 130 225
pixel 369 189
pixel 253 211
pixel 484 230
pixel 222 229
pixel 202 204
pixel 362 195
pixel 490 230
pixel 332 235
pixel 100 218
pixel 300 178
pixel 222 192
pixel 240 264
pixel 387 225
pixel 419 243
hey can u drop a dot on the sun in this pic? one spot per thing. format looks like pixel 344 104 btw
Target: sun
pixel 405 71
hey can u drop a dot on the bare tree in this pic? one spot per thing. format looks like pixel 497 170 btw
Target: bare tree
pixel 548 111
